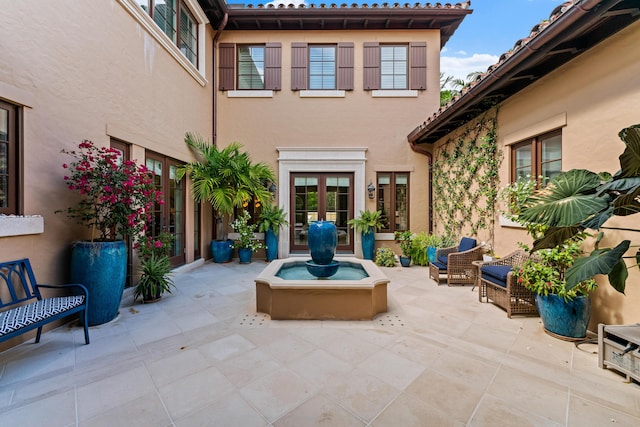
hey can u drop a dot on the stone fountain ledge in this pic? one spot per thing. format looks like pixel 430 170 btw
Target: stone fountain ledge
pixel 19 225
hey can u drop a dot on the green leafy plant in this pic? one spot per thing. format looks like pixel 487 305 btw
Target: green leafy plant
pixel 159 245
pixel 421 241
pixel 545 272
pixel 272 218
pixel 155 278
pixel 580 200
pixel 404 238
pixel 246 233
pixel 385 257
pixel 367 222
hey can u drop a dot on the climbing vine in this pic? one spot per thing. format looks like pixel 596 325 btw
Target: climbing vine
pixel 465 178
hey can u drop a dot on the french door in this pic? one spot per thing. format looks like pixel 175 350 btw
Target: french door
pixel 321 196
pixel 169 217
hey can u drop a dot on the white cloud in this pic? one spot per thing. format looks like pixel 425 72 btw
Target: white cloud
pixel 286 2
pixel 459 68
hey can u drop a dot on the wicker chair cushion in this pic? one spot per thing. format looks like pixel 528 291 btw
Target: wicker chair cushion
pixel 466 243
pixel 496 274
pixel 443 260
pixel 440 265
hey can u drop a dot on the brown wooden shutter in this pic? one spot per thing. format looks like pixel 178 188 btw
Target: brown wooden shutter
pixel 272 65
pixel 418 67
pixel 371 66
pixel 345 66
pixel 299 67
pixel 226 66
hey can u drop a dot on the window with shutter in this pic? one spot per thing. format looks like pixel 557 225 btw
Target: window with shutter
pixel 371 66
pixel 226 63
pixel 251 67
pixel 345 66
pixel 322 67
pixel 299 66
pixel 393 67
pixel 418 72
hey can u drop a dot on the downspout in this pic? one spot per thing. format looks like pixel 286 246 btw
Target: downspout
pixel 421 150
pixel 219 31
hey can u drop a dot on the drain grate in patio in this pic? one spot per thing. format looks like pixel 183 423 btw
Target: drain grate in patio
pixel 390 320
pixel 253 320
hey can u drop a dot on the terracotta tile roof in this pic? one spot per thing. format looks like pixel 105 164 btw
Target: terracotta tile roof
pixel 572 28
pixel 460 5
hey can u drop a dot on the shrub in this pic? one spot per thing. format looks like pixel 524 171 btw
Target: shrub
pixel 385 257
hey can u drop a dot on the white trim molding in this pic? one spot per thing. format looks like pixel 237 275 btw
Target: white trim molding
pixel 322 94
pixel 249 94
pixel 18 225
pixel 394 93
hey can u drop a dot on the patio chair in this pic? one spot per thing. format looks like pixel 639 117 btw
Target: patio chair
pixel 498 283
pixel 456 263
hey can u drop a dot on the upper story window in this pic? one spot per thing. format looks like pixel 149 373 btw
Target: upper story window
pixel 9 151
pixel 393 67
pixel 251 67
pixel 393 200
pixel 322 67
pixel 538 156
pixel 182 32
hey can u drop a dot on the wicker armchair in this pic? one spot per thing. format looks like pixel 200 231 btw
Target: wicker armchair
pixel 456 263
pixel 498 283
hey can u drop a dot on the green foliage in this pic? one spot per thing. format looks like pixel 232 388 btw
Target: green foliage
pixel 421 241
pixel 246 233
pixel 465 179
pixel 546 272
pixel 154 280
pixel 272 218
pixel 579 199
pixel 385 257
pixel 158 246
pixel 367 222
pixel 404 238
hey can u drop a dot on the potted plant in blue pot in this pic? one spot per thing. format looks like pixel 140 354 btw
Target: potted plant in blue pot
pixel 116 201
pixel 272 219
pixel 367 224
pixel 564 312
pixel 405 239
pixel 246 243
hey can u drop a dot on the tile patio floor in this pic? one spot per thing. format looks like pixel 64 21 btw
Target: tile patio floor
pixel 203 357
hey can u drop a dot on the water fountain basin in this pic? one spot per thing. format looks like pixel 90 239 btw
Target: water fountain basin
pixel 309 298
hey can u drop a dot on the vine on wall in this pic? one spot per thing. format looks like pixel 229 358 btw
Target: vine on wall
pixel 465 178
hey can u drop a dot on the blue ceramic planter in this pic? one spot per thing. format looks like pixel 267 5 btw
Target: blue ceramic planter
pixel 221 250
pixel 245 255
pixel 405 261
pixel 431 253
pixel 102 268
pixel 322 239
pixel 368 244
pixel 568 320
pixel 271 240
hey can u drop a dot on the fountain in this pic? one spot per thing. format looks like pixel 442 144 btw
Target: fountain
pixel 325 287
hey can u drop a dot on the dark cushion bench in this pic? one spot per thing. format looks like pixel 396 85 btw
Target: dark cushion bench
pixel 24 308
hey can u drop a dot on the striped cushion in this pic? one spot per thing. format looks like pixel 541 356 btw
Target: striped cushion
pixel 23 316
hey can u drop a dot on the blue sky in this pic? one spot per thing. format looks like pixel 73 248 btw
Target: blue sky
pixel 492 29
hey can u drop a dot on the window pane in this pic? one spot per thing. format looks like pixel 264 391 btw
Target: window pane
pixel 188 36
pixel 4 124
pixel 164 13
pixel 552 169
pixel 523 157
pixel 552 148
pixel 322 67
pixel 402 208
pixel 384 198
pixel 251 67
pixel 393 67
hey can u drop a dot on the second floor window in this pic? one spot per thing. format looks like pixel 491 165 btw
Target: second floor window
pixel 393 67
pixel 539 156
pixel 251 67
pixel 322 67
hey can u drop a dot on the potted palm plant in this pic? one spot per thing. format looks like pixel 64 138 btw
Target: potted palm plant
pixel 116 201
pixel 226 178
pixel 246 243
pixel 367 224
pixel 272 218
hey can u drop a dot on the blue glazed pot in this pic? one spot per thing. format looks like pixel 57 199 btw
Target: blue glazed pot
pixel 102 268
pixel 431 253
pixel 245 255
pixel 221 250
pixel 405 261
pixel 322 239
pixel 567 319
pixel 368 244
pixel 271 240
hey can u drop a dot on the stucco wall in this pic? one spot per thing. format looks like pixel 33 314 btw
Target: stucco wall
pixel 89 70
pixel 591 99
pixel 356 120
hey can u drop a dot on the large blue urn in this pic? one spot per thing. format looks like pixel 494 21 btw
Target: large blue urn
pixel 322 239
pixel 567 320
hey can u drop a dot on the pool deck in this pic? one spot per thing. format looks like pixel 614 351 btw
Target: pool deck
pixel 203 356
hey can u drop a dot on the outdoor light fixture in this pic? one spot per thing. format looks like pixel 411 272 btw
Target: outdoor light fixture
pixel 371 189
pixel 272 189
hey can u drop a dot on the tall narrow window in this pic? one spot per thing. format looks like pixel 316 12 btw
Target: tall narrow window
pixel 9 152
pixel 393 200
pixel 188 36
pixel 164 14
pixel 539 156
pixel 393 67
pixel 251 67
pixel 322 67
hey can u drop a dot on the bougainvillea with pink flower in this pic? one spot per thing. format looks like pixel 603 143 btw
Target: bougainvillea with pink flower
pixel 117 197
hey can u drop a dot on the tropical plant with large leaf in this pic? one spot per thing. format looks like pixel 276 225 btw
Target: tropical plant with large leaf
pixel 580 200
pixel 227 178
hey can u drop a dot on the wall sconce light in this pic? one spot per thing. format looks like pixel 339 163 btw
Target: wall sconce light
pixel 372 190
pixel 273 189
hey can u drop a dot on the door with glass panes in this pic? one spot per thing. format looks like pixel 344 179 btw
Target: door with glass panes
pixel 321 196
